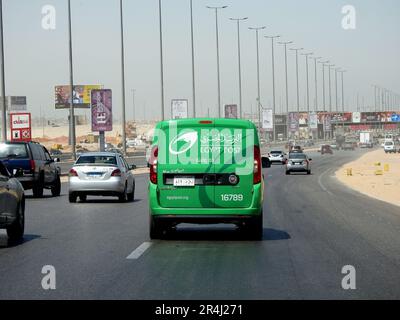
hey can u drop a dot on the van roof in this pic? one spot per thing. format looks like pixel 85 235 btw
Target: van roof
pixel 220 121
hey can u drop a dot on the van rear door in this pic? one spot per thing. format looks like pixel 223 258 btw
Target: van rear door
pixel 185 171
pixel 234 168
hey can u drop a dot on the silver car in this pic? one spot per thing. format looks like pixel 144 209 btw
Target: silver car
pixel 298 162
pixel 101 174
pixel 12 203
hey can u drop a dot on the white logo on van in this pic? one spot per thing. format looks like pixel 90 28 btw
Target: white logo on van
pixel 189 137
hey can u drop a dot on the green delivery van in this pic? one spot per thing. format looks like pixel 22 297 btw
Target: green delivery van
pixel 206 171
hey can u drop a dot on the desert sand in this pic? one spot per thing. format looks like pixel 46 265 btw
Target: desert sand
pixel 366 176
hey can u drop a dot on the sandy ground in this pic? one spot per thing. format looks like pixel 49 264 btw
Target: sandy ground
pixel 384 187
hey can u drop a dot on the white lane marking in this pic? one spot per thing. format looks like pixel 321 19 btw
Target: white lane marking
pixel 321 185
pixel 139 251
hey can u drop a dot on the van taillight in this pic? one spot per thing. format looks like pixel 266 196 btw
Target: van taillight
pixel 153 165
pixel 33 165
pixel 73 173
pixel 257 165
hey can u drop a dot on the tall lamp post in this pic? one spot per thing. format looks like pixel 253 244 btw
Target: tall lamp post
pixel 123 81
pixel 273 86
pixel 238 20
pixel 161 61
pixel 342 72
pixel 218 71
pixel 316 82
pixel 336 88
pixel 72 136
pixel 330 86
pixel 3 79
pixel 297 75
pixel 257 29
pixel 286 87
pixel 193 69
pixel 306 55
pixel 324 64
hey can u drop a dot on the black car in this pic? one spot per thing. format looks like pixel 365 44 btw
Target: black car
pixel 12 203
pixel 38 167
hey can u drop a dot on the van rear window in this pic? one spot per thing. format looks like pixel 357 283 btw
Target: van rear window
pixel 13 151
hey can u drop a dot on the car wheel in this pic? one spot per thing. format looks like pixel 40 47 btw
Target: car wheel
pixel 16 230
pixel 122 197
pixel 56 188
pixel 131 196
pixel 38 187
pixel 287 172
pixel 72 198
pixel 156 230
pixel 83 198
pixel 308 172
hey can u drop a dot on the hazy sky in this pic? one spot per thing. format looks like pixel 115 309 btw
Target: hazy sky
pixel 36 59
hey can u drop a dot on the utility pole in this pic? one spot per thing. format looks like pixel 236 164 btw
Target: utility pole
pixel 3 80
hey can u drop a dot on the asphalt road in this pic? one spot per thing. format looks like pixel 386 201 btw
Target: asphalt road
pixel 313 226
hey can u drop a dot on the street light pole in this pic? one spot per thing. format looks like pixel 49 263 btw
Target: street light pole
pixel 123 80
pixel 316 82
pixel 161 62
pixel 72 136
pixel 193 69
pixel 273 86
pixel 257 29
pixel 218 69
pixel 286 87
pixel 133 104
pixel 323 63
pixel 3 80
pixel 342 72
pixel 330 87
pixel 307 82
pixel 239 63
pixel 336 89
pixel 297 76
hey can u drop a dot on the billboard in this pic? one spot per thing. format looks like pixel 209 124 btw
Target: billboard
pixel 280 119
pixel 356 117
pixel 340 117
pixel 81 96
pixel 293 121
pixel 328 122
pixel 101 105
pixel 179 109
pixel 267 122
pixel 231 111
pixel 313 120
pixel 303 119
pixel 20 125
pixel 17 103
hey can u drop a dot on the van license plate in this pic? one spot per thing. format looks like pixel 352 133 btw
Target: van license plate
pixel 184 181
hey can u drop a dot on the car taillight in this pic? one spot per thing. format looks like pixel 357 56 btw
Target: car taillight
pixel 153 165
pixel 116 173
pixel 73 173
pixel 257 165
pixel 33 165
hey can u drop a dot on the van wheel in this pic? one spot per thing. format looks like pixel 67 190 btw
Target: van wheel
pixel 72 198
pixel 56 188
pixel 16 230
pixel 156 230
pixel 254 229
pixel 38 187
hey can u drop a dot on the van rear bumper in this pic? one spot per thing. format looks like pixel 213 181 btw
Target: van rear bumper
pixel 206 214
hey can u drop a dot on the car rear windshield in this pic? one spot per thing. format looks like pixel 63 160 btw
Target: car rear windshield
pixel 276 152
pixel 297 156
pixel 13 151
pixel 97 160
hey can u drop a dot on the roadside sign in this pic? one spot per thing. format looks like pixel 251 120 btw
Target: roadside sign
pixel 20 125
pixel 101 104
pixel 179 109
pixel 267 122
pixel 231 111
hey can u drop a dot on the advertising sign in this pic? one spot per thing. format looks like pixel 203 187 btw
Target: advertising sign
pixel 293 121
pixel 101 103
pixel 17 103
pixel 267 122
pixel 395 117
pixel 20 125
pixel 356 117
pixel 327 122
pixel 340 117
pixel 280 119
pixel 231 111
pixel 303 119
pixel 81 96
pixel 313 120
pixel 179 109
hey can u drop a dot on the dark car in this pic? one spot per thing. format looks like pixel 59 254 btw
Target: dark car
pixel 326 148
pixel 12 204
pixel 348 146
pixel 38 167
